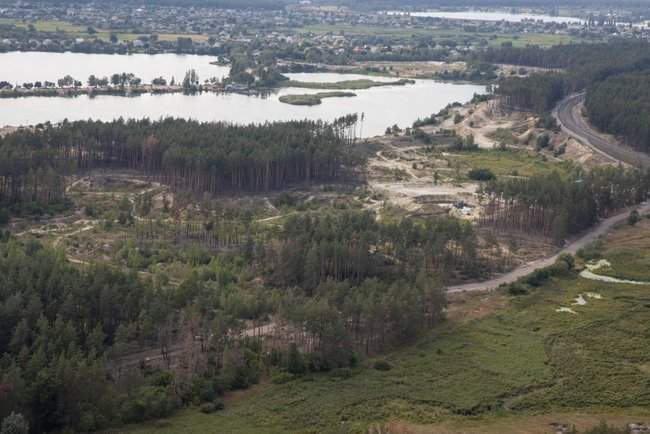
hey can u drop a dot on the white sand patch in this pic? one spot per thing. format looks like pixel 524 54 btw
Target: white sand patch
pixel 588 273
pixel 566 310
pixel 593 266
pixel 579 300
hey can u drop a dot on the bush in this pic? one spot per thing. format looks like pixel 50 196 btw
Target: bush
pixel 603 428
pixel 547 122
pixel 633 218
pixel 295 362
pixel 516 289
pixel 543 141
pixel 564 264
pixel 4 216
pixel 282 378
pixel 538 277
pixel 15 423
pixel 481 175
pixel 212 407
pixel 382 365
pixel 342 373
pixel 590 252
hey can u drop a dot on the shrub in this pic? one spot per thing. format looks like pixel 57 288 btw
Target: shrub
pixel 15 423
pixel 543 141
pixel 633 218
pixel 538 277
pixel 516 289
pixel 282 378
pixel 342 373
pixel 603 428
pixel 382 365
pixel 4 216
pixel 212 407
pixel 295 362
pixel 592 251
pixel 481 175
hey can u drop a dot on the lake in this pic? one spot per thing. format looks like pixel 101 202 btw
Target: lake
pixel 492 16
pixel 382 106
pixel 21 67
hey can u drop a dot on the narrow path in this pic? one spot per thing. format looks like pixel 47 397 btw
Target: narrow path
pixel 594 233
pixel 569 116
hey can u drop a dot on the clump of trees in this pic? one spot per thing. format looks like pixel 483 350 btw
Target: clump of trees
pixel 353 246
pixel 621 105
pixel 188 155
pixel 614 74
pixel 558 206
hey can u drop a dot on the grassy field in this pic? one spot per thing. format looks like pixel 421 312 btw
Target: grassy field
pixel 506 163
pixel 518 40
pixel 512 371
pixel 76 31
pixel 628 250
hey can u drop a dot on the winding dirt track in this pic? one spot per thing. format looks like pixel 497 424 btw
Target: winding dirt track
pixel 597 231
pixel 568 115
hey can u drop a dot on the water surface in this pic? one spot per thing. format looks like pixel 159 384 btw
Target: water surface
pixel 381 106
pixel 20 67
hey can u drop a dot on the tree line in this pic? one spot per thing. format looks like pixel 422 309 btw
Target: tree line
pixel 188 155
pixel 583 66
pixel 558 206
pixel 621 106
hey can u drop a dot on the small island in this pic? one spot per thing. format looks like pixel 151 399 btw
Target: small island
pixel 315 98
pixel 360 84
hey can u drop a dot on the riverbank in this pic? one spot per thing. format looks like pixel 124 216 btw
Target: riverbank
pixel 360 84
pixel 108 90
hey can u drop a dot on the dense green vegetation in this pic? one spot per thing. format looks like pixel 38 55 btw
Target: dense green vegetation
pixel 614 76
pixel 313 98
pixel 526 358
pixel 559 206
pixel 621 105
pixel 213 157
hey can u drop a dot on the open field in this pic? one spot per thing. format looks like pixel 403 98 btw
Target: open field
pixel 544 40
pixel 511 371
pixel 76 31
pixel 507 163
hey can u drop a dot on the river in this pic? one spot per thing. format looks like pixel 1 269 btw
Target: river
pixel 382 106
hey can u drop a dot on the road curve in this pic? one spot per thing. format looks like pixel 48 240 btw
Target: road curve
pixel 569 116
pixel 592 235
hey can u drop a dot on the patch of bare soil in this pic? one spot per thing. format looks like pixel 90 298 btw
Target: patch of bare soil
pixel 468 306
pixel 413 69
pixel 401 174
pixel 581 154
pixel 484 119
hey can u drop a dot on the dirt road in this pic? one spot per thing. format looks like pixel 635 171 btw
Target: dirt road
pixel 596 232
pixel 568 113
